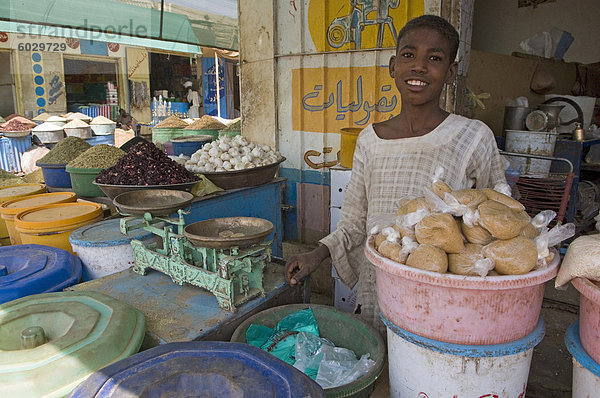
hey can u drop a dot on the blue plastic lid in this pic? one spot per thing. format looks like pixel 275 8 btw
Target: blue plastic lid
pixel 200 368
pixel 34 269
pixel 573 343
pixel 105 233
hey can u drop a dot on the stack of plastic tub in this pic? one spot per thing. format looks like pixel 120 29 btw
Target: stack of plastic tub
pixel 583 340
pixel 454 335
pixel 14 192
pixel 11 151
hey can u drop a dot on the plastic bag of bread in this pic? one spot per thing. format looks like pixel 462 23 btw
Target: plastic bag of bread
pixel 411 205
pixel 548 239
pixel 504 199
pixel 428 258
pixel 405 224
pixel 470 261
pixel 440 230
pixel 439 187
pixel 469 197
pixel 500 220
pixel 529 231
pixel 447 205
pixel 390 249
pixel 514 256
pixel 476 234
pixel 582 260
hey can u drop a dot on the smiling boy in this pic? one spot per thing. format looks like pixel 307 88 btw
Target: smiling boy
pixel 398 157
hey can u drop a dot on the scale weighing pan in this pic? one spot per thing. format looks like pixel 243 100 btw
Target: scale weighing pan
pixel 222 233
pixel 158 202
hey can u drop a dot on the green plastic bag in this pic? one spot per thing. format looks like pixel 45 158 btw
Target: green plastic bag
pixel 280 341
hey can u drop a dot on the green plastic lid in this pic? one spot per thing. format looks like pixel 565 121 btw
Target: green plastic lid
pixel 49 343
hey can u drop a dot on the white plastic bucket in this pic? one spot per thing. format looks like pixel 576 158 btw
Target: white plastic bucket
pixel 586 372
pixel 424 368
pixel 103 250
pixel 532 143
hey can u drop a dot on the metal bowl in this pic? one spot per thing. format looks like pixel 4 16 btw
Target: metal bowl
pixel 222 233
pixel 158 202
pixel 112 191
pixel 244 178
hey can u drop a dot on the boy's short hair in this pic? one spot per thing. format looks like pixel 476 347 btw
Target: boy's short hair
pixel 436 23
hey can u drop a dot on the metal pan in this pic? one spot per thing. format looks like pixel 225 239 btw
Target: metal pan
pixel 158 202
pixel 221 233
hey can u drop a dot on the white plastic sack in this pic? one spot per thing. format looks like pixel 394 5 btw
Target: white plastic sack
pixel 581 260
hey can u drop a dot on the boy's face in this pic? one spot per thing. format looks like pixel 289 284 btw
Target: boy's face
pixel 422 66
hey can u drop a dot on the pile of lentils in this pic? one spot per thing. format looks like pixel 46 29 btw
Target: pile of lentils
pixel 145 164
pixel 97 157
pixel 66 150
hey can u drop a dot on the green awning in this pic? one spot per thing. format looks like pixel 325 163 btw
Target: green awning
pixel 102 20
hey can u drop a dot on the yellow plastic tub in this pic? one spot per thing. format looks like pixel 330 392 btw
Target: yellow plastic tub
pixel 10 208
pixel 348 143
pixel 51 225
pixel 11 192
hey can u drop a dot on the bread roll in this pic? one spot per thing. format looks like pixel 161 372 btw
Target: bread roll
pixel 428 258
pixel 440 230
pixel 390 250
pixel 463 263
pixel 379 240
pixel 500 220
pixel 413 205
pixel 476 234
pixel 469 197
pixel 440 188
pixel 529 231
pixel 504 199
pixel 514 256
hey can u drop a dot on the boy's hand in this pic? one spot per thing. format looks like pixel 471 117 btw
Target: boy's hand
pixel 300 266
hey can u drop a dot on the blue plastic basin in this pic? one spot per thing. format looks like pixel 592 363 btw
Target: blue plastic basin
pixel 34 269
pixel 189 144
pixel 102 139
pixel 200 368
pixel 55 175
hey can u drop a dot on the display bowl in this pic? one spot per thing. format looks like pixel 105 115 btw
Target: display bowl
pixel 104 129
pixel 80 132
pixel 158 202
pixel 112 190
pixel 16 134
pixel 221 233
pixel 244 178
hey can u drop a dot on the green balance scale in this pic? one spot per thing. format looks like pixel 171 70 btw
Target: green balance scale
pixel 225 256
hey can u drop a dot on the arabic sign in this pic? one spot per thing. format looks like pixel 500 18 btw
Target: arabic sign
pixel 209 83
pixel 138 68
pixel 358 24
pixel 328 99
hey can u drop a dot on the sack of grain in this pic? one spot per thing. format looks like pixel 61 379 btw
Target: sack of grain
pixel 428 258
pixel 500 220
pixel 470 261
pixel 440 230
pixel 514 256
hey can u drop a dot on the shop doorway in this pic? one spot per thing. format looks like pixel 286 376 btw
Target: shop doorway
pixel 90 82
pixel 7 85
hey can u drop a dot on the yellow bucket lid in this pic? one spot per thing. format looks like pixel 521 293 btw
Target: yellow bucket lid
pixel 57 215
pixel 15 206
pixel 16 191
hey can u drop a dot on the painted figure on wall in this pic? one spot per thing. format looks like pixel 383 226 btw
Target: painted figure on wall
pixel 349 28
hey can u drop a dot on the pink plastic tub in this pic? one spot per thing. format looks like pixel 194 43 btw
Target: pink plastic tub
pixel 589 316
pixel 460 309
